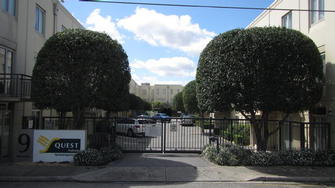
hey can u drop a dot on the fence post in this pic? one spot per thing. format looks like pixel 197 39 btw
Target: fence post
pixel 302 136
pixel 280 124
pixel 231 132
pixel 290 134
pixel 162 136
pixel 94 126
pixel 210 126
pixel 43 122
pixel 329 136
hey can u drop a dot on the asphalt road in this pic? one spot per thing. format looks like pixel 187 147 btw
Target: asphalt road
pixel 160 185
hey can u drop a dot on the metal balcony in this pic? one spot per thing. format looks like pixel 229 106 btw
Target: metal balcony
pixel 15 87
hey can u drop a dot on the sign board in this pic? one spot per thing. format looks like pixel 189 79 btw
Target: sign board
pixel 57 145
pixel 155 130
pixel 24 145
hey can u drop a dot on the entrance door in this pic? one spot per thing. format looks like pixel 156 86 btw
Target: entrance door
pixel 4 131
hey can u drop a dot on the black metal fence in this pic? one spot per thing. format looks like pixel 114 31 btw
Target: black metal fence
pixel 15 85
pixel 192 134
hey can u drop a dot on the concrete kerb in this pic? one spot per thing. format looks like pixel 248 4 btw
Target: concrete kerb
pixel 83 180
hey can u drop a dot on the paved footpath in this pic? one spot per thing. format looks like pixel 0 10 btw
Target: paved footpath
pixel 161 168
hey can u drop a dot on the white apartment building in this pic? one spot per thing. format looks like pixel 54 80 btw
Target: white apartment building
pixel 320 27
pixel 156 93
pixel 24 27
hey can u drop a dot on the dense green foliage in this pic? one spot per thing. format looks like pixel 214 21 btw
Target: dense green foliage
pixel 239 134
pixel 178 104
pixel 259 70
pixel 190 98
pixel 95 157
pixel 138 104
pixel 232 155
pixel 78 69
pixel 162 107
pixel 135 102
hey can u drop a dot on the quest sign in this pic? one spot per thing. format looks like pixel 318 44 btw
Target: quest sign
pixel 57 145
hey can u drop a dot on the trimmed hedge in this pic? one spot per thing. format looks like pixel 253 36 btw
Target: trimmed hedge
pixel 94 157
pixel 231 155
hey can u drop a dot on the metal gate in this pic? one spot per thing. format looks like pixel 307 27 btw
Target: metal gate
pixel 193 134
pixel 173 135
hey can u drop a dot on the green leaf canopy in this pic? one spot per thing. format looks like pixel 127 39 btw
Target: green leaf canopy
pixel 260 69
pixel 77 69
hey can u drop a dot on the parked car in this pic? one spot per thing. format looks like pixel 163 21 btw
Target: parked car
pixel 187 120
pixel 133 127
pixel 143 116
pixel 161 117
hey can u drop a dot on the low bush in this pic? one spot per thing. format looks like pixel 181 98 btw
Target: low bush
pixel 95 157
pixel 210 153
pixel 232 155
pixel 228 154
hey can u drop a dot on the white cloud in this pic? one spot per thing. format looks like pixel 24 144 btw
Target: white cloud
pixel 172 31
pixel 97 22
pixel 174 66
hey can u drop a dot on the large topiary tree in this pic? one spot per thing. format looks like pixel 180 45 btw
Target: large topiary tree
pixel 135 103
pixel 78 69
pixel 177 102
pixel 260 70
pixel 190 98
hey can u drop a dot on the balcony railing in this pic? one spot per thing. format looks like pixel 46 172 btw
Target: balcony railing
pixel 15 87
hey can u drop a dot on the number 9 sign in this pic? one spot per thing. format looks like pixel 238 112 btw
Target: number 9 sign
pixel 24 147
pixel 24 140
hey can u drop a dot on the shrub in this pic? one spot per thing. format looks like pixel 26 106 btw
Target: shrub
pixel 94 157
pixel 210 152
pixel 232 155
pixel 226 157
pixel 242 154
pixel 263 158
pixel 229 155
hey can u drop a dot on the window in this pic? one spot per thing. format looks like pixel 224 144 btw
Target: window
pixel 286 20
pixel 40 20
pixel 6 60
pixel 2 60
pixel 315 16
pixel 9 6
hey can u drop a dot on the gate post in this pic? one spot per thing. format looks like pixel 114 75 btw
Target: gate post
pixel 302 136
pixel 162 136
pixel 329 136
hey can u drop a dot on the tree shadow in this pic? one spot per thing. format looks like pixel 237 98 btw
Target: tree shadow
pixel 148 169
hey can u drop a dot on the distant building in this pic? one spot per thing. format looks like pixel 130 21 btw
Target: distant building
pixel 155 93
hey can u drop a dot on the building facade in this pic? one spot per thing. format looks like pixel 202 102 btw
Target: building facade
pixel 319 26
pixel 163 93
pixel 24 27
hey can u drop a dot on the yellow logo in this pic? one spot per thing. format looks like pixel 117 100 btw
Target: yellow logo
pixel 44 141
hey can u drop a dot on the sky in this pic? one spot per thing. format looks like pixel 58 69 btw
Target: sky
pixel 163 44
